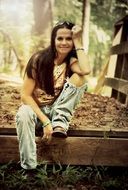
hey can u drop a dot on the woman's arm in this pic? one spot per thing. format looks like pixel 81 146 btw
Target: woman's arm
pixel 26 97
pixel 80 66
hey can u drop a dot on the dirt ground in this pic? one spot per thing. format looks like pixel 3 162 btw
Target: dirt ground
pixel 94 111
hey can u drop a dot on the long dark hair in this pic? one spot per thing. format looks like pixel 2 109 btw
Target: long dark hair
pixel 41 64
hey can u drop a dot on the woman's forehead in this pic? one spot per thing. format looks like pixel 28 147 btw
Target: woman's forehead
pixel 64 32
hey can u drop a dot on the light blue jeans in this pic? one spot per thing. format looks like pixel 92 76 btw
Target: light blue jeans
pixel 60 113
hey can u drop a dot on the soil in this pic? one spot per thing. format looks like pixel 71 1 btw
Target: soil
pixel 94 111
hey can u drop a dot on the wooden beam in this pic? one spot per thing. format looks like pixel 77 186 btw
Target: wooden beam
pixel 8 131
pixel 73 150
pixel 120 85
pixel 119 49
pixel 86 151
pixel 113 58
pixel 81 132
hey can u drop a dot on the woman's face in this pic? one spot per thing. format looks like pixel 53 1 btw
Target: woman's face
pixel 63 41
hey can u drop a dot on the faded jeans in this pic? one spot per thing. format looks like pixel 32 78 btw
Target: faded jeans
pixel 59 113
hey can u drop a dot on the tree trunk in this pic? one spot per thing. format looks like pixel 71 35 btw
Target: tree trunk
pixel 42 15
pixel 85 23
pixel 8 50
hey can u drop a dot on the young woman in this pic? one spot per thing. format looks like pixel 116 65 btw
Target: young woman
pixel 53 85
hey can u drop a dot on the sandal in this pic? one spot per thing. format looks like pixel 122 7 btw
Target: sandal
pixel 59 132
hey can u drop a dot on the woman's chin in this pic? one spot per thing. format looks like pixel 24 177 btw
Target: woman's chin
pixel 65 52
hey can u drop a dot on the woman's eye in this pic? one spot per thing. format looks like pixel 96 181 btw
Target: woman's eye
pixel 69 38
pixel 59 38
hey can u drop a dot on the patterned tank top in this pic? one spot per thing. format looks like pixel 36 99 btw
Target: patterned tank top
pixel 59 78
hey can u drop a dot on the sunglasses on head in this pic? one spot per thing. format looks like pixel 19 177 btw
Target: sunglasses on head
pixel 65 23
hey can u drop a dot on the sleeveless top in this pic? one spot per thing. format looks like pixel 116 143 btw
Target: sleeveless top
pixel 40 95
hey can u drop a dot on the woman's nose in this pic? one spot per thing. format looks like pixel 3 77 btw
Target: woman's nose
pixel 64 41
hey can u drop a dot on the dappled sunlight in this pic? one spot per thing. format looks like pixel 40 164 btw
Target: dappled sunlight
pixel 11 77
pixel 92 82
pixel 101 35
pixel 17 13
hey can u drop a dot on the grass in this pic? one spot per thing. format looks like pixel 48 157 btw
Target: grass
pixel 57 177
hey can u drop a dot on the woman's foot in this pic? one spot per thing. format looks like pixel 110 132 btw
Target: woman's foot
pixel 59 132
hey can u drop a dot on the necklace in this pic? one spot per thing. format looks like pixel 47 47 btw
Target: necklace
pixel 59 69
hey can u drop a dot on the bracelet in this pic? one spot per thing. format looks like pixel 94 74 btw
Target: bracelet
pixel 46 123
pixel 77 49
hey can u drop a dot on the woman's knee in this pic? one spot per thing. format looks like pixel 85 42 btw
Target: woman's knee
pixel 24 113
pixel 77 80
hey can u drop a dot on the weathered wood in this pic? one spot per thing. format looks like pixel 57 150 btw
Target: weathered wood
pixel 81 132
pixel 120 85
pixel 113 58
pixel 8 149
pixel 7 131
pixel 73 150
pixel 98 132
pixel 87 151
pixel 119 49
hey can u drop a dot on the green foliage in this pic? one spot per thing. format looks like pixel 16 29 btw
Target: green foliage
pixel 49 177
pixel 105 13
pixel 99 46
pixel 10 179
pixel 95 174
pixel 18 24
pixel 112 183
pixel 43 179
pixel 68 10
pixel 37 43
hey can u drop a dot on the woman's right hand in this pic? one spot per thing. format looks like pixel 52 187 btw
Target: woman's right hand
pixel 48 130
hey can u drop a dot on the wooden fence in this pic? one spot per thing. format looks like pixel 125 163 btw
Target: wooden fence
pixel 117 74
pixel 120 85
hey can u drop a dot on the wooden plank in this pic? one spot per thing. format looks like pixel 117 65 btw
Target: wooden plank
pixel 81 132
pixel 120 85
pixel 87 151
pixel 73 150
pixel 119 49
pixel 117 37
pixel 8 131
pixel 106 132
pixel 8 149
pixel 124 75
pixel 121 72
pixel 113 59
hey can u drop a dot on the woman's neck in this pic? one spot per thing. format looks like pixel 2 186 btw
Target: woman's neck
pixel 59 60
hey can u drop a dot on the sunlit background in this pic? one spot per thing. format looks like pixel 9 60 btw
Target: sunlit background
pixel 25 27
